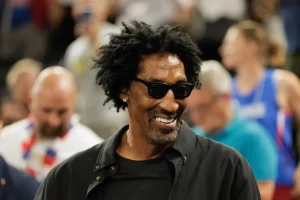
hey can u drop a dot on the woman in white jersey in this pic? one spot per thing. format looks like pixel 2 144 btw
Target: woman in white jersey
pixel 269 96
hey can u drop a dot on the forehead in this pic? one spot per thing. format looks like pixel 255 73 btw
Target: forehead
pixel 55 97
pixel 85 1
pixel 89 3
pixel 162 67
pixel 23 77
pixel 199 96
pixel 232 34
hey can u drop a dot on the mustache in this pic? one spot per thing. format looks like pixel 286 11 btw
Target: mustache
pixel 154 113
pixel 47 131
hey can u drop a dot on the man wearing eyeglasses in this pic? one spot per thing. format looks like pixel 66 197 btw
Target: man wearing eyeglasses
pixel 157 156
pixel 211 111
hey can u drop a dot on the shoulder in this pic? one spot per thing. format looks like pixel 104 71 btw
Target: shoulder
pixel 85 133
pixel 14 129
pixel 221 156
pixel 228 163
pixel 81 41
pixel 253 134
pixel 26 186
pixel 252 130
pixel 74 50
pixel 23 185
pixel 206 148
pixel 286 78
pixel 216 151
pixel 84 130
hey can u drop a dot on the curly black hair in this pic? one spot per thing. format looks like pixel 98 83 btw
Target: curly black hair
pixel 119 60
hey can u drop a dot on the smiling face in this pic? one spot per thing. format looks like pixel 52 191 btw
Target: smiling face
pixel 158 119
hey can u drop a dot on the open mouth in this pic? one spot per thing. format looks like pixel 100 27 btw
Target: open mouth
pixel 165 120
pixel 166 123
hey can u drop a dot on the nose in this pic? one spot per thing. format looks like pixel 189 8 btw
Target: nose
pixel 221 49
pixel 168 103
pixel 54 120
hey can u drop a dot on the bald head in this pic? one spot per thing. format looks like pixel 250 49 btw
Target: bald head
pixel 53 101
pixel 56 79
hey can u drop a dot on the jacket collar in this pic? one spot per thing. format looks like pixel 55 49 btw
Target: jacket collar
pixel 183 144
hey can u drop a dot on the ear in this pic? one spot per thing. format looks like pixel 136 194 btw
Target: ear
pixel 124 95
pixel 30 103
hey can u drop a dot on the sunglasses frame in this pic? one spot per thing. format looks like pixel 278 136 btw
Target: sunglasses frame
pixel 149 86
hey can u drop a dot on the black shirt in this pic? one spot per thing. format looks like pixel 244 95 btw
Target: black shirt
pixel 136 180
pixel 203 169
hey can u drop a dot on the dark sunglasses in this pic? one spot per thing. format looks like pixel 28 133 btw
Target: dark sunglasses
pixel 159 90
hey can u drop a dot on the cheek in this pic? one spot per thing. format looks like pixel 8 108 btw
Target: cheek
pixel 228 54
pixel 139 107
pixel 197 118
pixel 66 118
pixel 214 111
pixel 183 104
pixel 232 59
pixel 217 114
pixel 41 117
pixel 234 53
pixel 17 92
pixel 38 114
pixel 209 116
pixel 139 103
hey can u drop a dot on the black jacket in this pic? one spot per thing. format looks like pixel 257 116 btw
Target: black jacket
pixel 204 170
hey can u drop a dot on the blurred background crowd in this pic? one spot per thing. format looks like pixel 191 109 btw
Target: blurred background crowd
pixel 37 34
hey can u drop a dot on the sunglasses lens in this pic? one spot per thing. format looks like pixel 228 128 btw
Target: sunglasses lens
pixel 157 90
pixel 182 91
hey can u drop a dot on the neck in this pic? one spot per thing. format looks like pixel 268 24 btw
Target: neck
pixel 136 147
pixel 249 74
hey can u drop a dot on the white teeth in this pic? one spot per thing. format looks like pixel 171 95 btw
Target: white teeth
pixel 164 120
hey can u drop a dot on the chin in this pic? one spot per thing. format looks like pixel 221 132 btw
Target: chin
pixel 47 136
pixel 163 137
pixel 228 64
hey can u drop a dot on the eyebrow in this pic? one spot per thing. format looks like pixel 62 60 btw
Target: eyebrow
pixel 159 81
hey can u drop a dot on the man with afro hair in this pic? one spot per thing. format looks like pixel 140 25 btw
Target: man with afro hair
pixel 157 156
